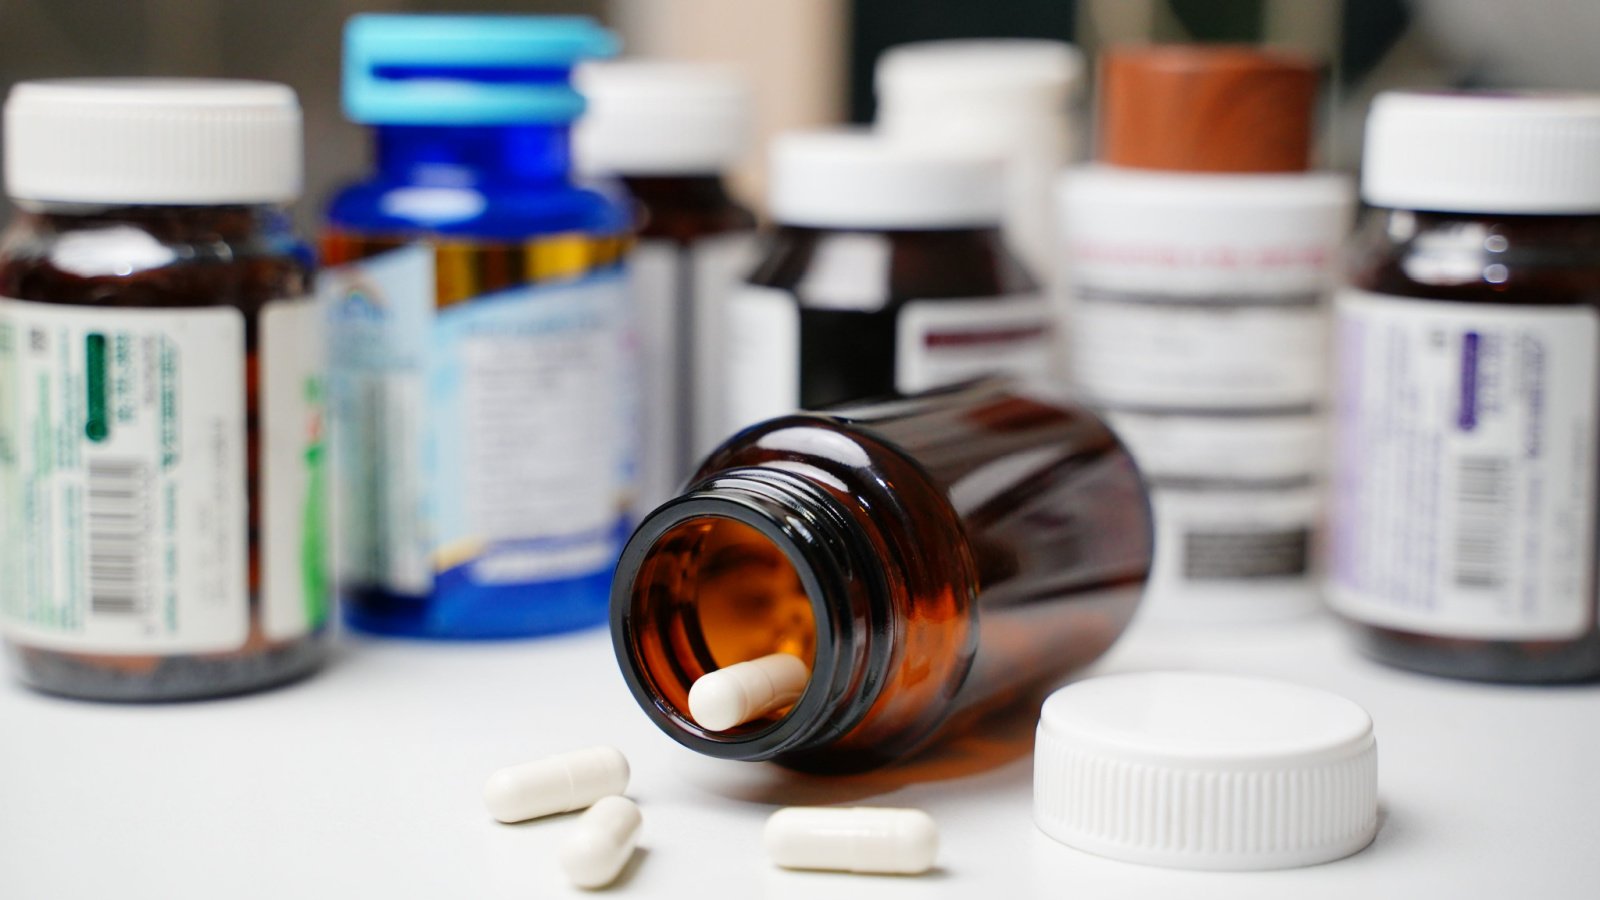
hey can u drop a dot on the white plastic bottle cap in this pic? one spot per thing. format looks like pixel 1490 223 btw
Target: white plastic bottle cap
pixel 994 76
pixel 853 179
pixel 1204 771
pixel 1505 152
pixel 660 118
pixel 152 141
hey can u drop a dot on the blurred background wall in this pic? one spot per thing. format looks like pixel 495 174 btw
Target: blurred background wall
pixel 811 60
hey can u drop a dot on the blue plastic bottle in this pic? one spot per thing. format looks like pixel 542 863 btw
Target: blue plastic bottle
pixel 479 379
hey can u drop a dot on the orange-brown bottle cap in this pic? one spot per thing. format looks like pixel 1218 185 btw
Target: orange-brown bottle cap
pixel 1196 108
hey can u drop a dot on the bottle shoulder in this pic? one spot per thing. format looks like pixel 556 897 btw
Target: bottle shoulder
pixel 510 212
pixel 869 271
pixel 1474 258
pixel 153 256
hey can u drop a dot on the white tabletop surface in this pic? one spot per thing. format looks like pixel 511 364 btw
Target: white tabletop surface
pixel 363 782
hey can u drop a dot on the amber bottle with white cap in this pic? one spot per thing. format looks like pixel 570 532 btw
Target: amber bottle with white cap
pixel 1468 375
pixel 1199 256
pixel 668 132
pixel 163 499
pixel 886 274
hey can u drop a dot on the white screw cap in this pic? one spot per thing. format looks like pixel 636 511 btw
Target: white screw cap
pixel 1204 771
pixel 855 179
pixel 152 141
pixel 1505 152
pixel 995 75
pixel 661 118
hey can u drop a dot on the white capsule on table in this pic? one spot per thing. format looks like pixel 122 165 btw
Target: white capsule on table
pixel 555 784
pixel 743 692
pixel 603 842
pixel 871 840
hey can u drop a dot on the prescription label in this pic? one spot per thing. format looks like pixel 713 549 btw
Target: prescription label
pixel 123 491
pixel 680 292
pixel 1464 479
pixel 481 442
pixel 941 342
pixel 1138 349
pixel 762 351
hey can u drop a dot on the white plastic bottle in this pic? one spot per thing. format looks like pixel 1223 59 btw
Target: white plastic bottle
pixel 1199 256
pixel 668 132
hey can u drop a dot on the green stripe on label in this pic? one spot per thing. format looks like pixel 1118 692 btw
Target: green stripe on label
pixel 98 425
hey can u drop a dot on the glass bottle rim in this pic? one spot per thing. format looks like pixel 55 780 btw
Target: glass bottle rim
pixel 829 553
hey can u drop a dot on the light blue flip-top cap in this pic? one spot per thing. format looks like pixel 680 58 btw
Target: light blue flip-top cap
pixel 467 70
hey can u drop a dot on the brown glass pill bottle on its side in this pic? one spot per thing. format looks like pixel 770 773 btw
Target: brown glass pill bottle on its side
pixel 666 132
pixel 928 557
pixel 1468 389
pixel 161 436
pixel 887 274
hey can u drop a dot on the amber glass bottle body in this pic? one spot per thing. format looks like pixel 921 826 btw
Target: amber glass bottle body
pixel 932 559
pixel 1544 264
pixel 179 258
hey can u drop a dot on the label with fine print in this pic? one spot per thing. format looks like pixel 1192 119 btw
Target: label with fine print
pixel 122 478
pixel 1464 480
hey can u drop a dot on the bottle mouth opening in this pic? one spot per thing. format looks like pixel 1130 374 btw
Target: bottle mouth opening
pixel 709 581
pixel 718 592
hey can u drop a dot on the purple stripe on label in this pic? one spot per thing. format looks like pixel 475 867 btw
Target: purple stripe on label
pixel 1467 417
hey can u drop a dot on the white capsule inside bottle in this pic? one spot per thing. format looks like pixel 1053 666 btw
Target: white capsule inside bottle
pixel 555 784
pixel 602 843
pixel 746 691
pixel 870 840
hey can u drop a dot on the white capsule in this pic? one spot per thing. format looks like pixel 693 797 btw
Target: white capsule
pixel 865 839
pixel 555 784
pixel 598 850
pixel 743 692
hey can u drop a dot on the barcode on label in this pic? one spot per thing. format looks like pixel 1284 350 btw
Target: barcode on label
pixel 117 512
pixel 1483 521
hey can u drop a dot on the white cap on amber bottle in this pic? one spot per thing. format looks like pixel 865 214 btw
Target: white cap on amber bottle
pixel 1528 153
pixel 152 141
pixel 1203 771
pixel 856 179
pixel 660 118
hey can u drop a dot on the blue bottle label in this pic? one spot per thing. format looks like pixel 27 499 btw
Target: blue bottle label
pixel 481 441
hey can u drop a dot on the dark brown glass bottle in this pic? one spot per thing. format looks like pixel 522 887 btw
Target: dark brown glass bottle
pixel 930 558
pixel 887 274
pixel 1463 531
pixel 171 544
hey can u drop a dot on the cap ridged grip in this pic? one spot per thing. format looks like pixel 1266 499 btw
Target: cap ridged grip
pixel 1519 153
pixel 152 141
pixel 1129 767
